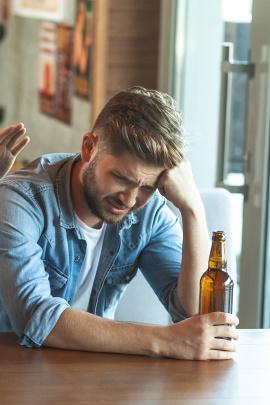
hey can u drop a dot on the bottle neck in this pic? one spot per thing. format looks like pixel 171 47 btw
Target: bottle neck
pixel 218 257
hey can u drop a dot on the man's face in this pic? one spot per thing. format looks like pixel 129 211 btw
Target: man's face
pixel 114 186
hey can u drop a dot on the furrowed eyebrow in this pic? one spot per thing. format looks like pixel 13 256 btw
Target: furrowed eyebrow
pixel 150 187
pixel 133 181
pixel 123 177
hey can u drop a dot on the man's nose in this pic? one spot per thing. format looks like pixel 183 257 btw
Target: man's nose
pixel 128 197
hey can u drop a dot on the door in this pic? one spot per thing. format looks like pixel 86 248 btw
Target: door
pixel 236 73
pixel 255 268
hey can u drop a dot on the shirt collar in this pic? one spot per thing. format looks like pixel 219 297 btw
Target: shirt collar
pixel 63 192
pixel 129 221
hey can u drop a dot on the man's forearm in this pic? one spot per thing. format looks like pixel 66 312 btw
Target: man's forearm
pixel 196 248
pixel 79 330
pixel 192 339
pixel 178 186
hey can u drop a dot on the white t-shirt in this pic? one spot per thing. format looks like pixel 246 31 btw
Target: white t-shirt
pixel 94 240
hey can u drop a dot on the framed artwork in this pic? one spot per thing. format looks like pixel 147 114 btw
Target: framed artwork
pixel 64 73
pixel 56 70
pixel 4 12
pixel 43 9
pixel 47 67
pixel 82 50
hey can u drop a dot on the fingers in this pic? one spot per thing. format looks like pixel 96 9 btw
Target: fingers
pixel 11 139
pixel 223 349
pixel 7 134
pixel 10 135
pixel 17 148
pixel 221 346
pixel 221 355
pixel 201 337
pixel 226 331
pixel 178 186
pixel 220 338
pixel 224 345
pixel 11 146
pixel 221 318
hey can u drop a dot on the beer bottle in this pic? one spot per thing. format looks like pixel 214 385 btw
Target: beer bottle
pixel 216 284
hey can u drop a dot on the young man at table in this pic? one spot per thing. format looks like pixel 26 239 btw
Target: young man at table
pixel 75 229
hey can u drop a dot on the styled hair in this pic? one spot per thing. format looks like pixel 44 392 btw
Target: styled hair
pixel 146 124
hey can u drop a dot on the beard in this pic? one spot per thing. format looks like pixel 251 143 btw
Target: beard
pixel 93 199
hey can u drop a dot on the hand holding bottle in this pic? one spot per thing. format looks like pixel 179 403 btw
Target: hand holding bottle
pixel 10 147
pixel 202 337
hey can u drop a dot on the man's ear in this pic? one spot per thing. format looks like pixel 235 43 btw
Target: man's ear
pixel 89 146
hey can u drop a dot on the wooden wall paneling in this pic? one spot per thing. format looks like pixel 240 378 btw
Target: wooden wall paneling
pixel 99 59
pixel 130 40
pixel 128 51
pixel 133 56
pixel 134 4
pixel 120 78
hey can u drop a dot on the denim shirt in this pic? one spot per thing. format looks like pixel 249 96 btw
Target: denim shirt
pixel 42 251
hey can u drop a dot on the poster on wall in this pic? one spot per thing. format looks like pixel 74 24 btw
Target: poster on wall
pixel 4 12
pixel 47 67
pixel 83 48
pixel 44 9
pixel 64 73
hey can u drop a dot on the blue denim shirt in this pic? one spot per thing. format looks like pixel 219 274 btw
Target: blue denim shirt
pixel 42 251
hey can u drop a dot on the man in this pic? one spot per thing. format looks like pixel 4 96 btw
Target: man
pixel 75 229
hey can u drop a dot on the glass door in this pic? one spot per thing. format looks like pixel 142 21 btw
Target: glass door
pixel 236 71
pixel 232 38
pixel 213 94
pixel 255 265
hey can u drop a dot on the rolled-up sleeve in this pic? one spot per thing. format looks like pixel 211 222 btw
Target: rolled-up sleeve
pixel 25 291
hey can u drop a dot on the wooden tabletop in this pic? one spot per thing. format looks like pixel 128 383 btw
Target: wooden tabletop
pixel 51 376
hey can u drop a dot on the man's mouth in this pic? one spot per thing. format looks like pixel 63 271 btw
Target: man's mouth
pixel 116 208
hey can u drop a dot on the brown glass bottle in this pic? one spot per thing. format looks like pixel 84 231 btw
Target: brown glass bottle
pixel 216 285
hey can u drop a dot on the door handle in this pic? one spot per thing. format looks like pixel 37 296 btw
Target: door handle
pixel 228 65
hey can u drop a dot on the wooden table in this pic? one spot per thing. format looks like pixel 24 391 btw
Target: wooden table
pixel 50 376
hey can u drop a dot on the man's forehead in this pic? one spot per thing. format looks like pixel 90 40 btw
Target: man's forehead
pixel 132 167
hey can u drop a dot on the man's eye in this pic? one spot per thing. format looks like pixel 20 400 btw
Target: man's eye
pixel 150 189
pixel 119 177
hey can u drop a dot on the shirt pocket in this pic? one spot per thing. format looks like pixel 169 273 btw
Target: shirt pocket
pixel 114 287
pixel 122 274
pixel 57 278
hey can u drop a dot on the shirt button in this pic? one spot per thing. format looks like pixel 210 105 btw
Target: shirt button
pixel 127 277
pixel 77 258
pixel 112 252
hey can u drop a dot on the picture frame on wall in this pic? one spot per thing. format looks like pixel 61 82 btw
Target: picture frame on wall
pixel 82 50
pixel 46 9
pixel 4 12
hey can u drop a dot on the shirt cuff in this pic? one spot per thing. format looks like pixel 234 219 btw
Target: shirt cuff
pixel 42 322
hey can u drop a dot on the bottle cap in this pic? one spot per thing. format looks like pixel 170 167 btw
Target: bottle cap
pixel 219 235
